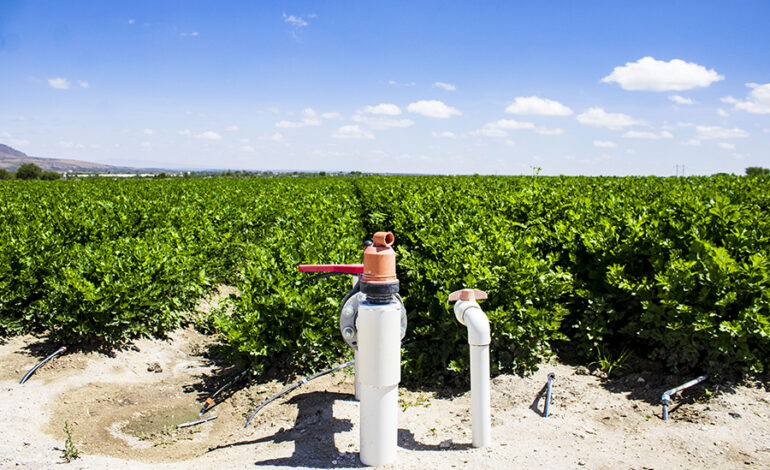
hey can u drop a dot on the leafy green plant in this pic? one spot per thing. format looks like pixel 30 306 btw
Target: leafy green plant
pixel 70 452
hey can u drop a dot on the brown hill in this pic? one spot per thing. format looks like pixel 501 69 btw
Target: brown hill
pixel 11 159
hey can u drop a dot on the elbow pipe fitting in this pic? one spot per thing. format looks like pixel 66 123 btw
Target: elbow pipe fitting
pixel 469 314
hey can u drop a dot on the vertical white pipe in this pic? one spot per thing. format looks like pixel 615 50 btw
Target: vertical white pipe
pixel 379 356
pixel 470 314
pixel 356 380
pixel 481 409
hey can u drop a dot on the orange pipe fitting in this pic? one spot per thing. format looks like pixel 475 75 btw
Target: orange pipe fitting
pixel 380 260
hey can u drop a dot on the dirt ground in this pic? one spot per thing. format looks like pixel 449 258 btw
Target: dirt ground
pixel 122 411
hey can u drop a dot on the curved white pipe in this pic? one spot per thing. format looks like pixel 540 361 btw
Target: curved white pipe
pixel 470 314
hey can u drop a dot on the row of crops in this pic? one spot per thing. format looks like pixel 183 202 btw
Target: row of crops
pixel 669 269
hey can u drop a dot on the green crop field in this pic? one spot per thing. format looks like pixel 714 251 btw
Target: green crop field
pixel 670 269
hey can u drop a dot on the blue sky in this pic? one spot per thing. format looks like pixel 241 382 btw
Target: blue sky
pixel 426 87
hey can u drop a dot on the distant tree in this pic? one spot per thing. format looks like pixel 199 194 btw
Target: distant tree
pixel 29 171
pixel 161 175
pixel 50 175
pixel 5 175
pixel 757 170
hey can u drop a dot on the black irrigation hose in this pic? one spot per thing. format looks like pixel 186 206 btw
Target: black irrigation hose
pixel 210 399
pixel 293 386
pixel 32 371
pixel 196 422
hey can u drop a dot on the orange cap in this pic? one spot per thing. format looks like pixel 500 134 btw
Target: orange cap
pixel 467 294
pixel 380 259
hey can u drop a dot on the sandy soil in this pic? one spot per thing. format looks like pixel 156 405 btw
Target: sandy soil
pixel 122 410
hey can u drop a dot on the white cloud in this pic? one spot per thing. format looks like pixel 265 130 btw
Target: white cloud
pixel 148 131
pixel 132 21
pixel 549 131
pixel 59 83
pixel 331 115
pixel 766 131
pixel 209 135
pixel 352 132
pixel 539 106
pixel 388 109
pixel 597 117
pixel 717 132
pixel 67 144
pixel 194 34
pixel 722 112
pixel 433 108
pixel 295 21
pixel 380 123
pixel 604 144
pixel 232 128
pixel 648 135
pixel 445 86
pixel 395 83
pixel 185 132
pixel 656 75
pixel 446 134
pixel 500 128
pixel 758 101
pixel 691 142
pixel 275 137
pixel 726 146
pixel 146 145
pixel 83 84
pixel 681 99
pixel 247 148
pixel 309 118
pixel 16 142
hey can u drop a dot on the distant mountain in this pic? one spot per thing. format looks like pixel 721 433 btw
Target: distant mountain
pixel 11 159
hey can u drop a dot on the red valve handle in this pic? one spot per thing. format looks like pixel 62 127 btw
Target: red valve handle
pixel 332 268
pixel 467 294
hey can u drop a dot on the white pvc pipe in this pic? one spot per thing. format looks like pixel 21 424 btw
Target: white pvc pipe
pixel 356 380
pixel 470 314
pixel 379 358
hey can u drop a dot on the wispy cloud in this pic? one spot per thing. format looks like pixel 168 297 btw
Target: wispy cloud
pixel 678 99
pixel 648 74
pixel 59 83
pixel 296 21
pixel 194 34
pixel 381 123
pixel 352 132
pixel 387 109
pixel 647 135
pixel 597 117
pixel 726 146
pixel 83 84
pixel 445 86
pixel 445 134
pixel 604 144
pixel 433 108
pixel 148 131
pixel 717 132
pixel 309 118
pixel 395 83
pixel 757 102
pixel 232 128
pixel 537 106
pixel 209 135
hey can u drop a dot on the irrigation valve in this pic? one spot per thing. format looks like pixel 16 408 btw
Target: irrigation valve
pixel 469 313
pixel 373 322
